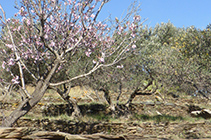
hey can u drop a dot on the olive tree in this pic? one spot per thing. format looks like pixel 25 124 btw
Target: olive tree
pixel 130 77
pixel 181 58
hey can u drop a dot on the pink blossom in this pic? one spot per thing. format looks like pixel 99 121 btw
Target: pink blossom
pixel 132 26
pixel 86 17
pixel 25 56
pixel 8 20
pixel 28 22
pixel 4 51
pixel 19 28
pixel 133 34
pixel 102 59
pixel 9 45
pixel 133 46
pixel 11 62
pixel 120 66
pixel 88 53
pixel 23 19
pixel 51 18
pixel 92 15
pixel 52 44
pixel 59 68
pixel 94 62
pixel 70 1
pixel 1 80
pixel 120 28
pixel 46 36
pixel 22 11
pixel 137 18
pixel 15 80
pixel 3 64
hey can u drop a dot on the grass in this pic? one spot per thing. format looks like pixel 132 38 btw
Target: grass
pixel 60 117
pixel 82 91
pixel 196 119
pixel 100 117
pixel 158 118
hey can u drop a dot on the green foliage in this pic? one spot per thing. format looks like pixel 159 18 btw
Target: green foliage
pixel 178 59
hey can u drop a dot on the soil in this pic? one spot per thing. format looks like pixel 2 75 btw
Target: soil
pixel 148 117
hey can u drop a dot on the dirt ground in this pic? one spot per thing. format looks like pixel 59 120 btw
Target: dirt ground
pixel 150 117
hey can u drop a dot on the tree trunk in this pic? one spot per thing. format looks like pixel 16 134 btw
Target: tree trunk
pixel 26 105
pixel 132 96
pixel 108 99
pixel 76 110
pixel 29 103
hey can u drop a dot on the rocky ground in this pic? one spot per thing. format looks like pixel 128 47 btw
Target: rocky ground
pixel 150 117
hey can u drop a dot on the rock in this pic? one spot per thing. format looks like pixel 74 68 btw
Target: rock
pixel 131 128
pixel 193 108
pixel 15 133
pixel 159 99
pixel 139 129
pixel 173 95
pixel 169 104
pixel 158 113
pixel 205 113
pixel 195 113
pixel 100 136
pixel 53 135
pixel 132 132
pixel 148 103
pixel 33 133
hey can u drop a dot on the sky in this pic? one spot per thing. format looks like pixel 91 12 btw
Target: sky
pixel 182 13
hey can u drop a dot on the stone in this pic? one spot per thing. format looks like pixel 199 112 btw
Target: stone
pixel 132 128
pixel 33 133
pixel 195 113
pixel 15 133
pixel 205 113
pixel 54 135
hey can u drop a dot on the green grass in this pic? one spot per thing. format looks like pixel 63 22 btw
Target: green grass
pixel 196 119
pixel 158 118
pixel 168 118
pixel 60 117
pixel 100 117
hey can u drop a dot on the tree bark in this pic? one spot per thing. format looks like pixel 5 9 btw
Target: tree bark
pixel 138 91
pixel 29 103
pixel 26 105
pixel 108 99
pixel 76 110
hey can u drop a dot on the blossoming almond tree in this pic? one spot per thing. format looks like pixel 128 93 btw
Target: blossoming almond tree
pixel 47 34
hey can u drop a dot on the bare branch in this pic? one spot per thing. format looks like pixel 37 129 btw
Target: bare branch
pixel 97 66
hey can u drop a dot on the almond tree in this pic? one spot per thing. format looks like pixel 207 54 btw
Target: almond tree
pixel 48 35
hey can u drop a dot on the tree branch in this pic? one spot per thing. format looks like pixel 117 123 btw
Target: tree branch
pixel 16 54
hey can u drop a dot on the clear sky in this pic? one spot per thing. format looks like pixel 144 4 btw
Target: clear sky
pixel 182 13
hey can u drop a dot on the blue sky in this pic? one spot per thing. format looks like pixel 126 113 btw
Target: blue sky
pixel 182 13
